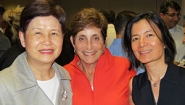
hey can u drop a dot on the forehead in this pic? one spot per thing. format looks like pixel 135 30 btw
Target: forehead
pixel 42 19
pixel 90 31
pixel 144 25
pixel 141 24
pixel 172 10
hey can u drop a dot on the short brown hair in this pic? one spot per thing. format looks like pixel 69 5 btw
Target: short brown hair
pixel 89 17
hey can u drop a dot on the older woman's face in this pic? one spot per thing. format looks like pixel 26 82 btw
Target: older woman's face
pixel 43 39
pixel 146 45
pixel 89 45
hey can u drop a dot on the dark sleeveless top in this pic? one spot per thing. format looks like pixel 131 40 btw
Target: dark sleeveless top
pixel 171 92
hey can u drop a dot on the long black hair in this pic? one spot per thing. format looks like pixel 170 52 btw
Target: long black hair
pixel 166 39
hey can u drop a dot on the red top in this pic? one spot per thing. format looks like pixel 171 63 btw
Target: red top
pixel 111 81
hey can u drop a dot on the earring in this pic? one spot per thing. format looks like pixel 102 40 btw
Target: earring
pixel 74 51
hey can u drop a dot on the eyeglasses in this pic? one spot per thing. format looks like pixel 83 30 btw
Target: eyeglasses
pixel 173 15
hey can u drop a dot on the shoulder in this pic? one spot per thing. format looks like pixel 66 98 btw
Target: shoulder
pixel 3 37
pixel 6 81
pixel 140 76
pixel 139 80
pixel 179 28
pixel 5 74
pixel 121 60
pixel 4 42
pixel 61 71
pixel 71 69
pixel 182 70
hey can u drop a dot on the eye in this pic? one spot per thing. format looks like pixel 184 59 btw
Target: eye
pixel 96 38
pixel 53 33
pixel 135 39
pixel 81 39
pixel 38 33
pixel 149 35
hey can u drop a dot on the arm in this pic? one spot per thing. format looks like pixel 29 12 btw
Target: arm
pixel 130 92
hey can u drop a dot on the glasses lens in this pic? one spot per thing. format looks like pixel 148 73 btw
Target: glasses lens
pixel 173 14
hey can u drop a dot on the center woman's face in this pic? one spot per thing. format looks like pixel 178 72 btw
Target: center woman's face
pixel 146 45
pixel 89 45
pixel 43 39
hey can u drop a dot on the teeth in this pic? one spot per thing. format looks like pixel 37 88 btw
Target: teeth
pixel 46 50
pixel 88 53
pixel 145 51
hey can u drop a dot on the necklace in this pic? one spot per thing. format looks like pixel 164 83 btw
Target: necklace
pixel 155 84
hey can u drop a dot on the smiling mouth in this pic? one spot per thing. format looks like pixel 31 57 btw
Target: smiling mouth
pixel 89 53
pixel 144 52
pixel 46 51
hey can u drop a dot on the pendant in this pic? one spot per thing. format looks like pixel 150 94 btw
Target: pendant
pixel 155 84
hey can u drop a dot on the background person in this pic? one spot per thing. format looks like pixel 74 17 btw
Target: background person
pixel 12 17
pixel 111 33
pixel 120 22
pixel 34 78
pixel 97 77
pixel 148 41
pixel 4 41
pixel 170 13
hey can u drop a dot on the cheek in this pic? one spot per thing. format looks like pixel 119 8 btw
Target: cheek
pixel 134 47
pixel 99 44
pixel 78 46
pixel 156 43
pixel 31 42
pixel 58 42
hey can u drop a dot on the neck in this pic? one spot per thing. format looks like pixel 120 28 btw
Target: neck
pixel 87 69
pixel 156 72
pixel 118 36
pixel 41 71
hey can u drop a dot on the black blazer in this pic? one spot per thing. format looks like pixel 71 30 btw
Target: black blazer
pixel 4 43
pixel 11 54
pixel 172 88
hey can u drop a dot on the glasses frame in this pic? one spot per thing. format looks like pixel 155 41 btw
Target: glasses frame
pixel 173 15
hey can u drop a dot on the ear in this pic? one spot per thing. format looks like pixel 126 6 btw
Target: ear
pixel 106 39
pixel 72 41
pixel 161 15
pixel 22 38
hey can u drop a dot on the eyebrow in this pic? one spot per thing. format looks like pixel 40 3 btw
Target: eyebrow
pixel 41 28
pixel 36 28
pixel 144 33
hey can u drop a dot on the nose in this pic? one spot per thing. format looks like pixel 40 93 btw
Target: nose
pixel 47 40
pixel 142 42
pixel 89 45
pixel 176 17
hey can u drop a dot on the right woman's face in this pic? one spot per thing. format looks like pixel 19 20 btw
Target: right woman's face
pixel 146 45
pixel 89 45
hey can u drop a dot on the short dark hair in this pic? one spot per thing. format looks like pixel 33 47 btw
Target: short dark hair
pixel 2 10
pixel 172 4
pixel 41 8
pixel 89 17
pixel 166 38
pixel 109 15
pixel 121 20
